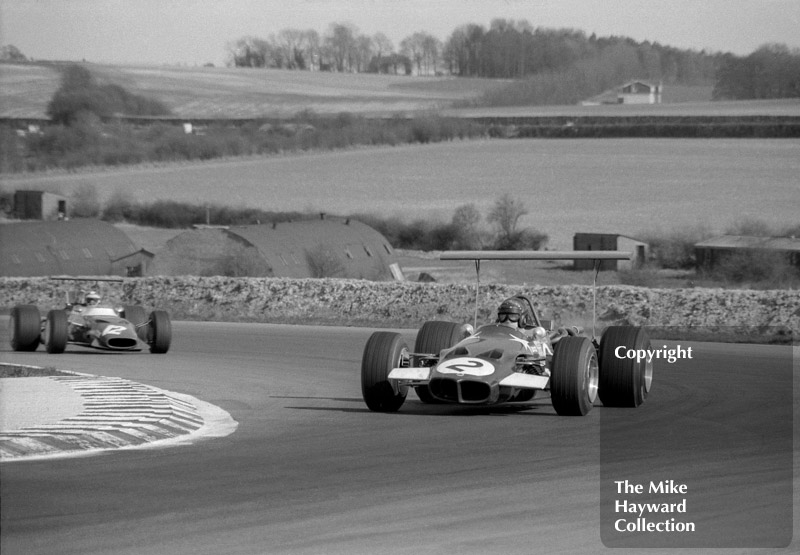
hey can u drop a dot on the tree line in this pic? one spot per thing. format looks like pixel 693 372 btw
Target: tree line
pixel 772 71
pixel 507 49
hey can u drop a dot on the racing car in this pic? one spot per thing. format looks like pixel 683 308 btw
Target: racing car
pixel 495 363
pixel 86 322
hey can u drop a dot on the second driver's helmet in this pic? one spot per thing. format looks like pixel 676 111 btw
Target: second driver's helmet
pixel 510 312
pixel 92 298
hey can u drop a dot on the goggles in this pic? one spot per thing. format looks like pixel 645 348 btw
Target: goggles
pixel 508 317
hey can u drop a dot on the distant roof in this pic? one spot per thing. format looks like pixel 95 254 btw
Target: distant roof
pixel 288 249
pixel 75 247
pixel 751 242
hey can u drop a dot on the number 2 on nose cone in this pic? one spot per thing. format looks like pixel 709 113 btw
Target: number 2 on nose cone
pixel 468 366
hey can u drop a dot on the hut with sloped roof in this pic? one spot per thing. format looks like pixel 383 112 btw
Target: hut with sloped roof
pixel 324 247
pixel 69 247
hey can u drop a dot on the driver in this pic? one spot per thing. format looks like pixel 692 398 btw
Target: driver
pixel 92 298
pixel 513 314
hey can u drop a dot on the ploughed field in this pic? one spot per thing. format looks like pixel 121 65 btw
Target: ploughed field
pixel 626 186
pixel 202 92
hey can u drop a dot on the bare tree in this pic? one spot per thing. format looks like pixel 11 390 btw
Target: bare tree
pixel 364 50
pixel 504 216
pixel 424 49
pixel 340 44
pixel 383 48
pixel 289 43
pixel 312 46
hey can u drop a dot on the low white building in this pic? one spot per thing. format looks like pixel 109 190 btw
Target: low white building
pixel 640 92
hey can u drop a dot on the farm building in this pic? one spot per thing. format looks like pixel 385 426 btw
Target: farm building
pixel 610 242
pixel 632 92
pixel 711 252
pixel 325 247
pixel 38 205
pixel 640 92
pixel 74 247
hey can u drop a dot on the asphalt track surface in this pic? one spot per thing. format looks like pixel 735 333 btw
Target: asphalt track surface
pixel 311 470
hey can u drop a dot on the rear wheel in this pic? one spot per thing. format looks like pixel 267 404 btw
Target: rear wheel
pixel 383 351
pixel 159 332
pixel 574 379
pixel 137 316
pixel 56 332
pixel 431 339
pixel 25 327
pixel 624 382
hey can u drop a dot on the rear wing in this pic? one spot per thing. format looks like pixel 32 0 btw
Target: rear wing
pixel 477 256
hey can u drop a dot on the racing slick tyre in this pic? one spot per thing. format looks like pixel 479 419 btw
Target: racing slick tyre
pixel 56 332
pixel 623 381
pixel 384 350
pixel 575 376
pixel 25 327
pixel 432 337
pixel 159 332
pixel 138 317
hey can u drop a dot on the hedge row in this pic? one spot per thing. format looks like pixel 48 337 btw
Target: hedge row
pixel 666 130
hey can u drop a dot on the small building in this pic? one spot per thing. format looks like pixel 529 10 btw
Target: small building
pixel 640 92
pixel 711 252
pixel 632 92
pixel 610 242
pixel 70 247
pixel 324 247
pixel 38 205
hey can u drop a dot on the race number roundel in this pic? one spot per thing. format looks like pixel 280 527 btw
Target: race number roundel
pixel 466 366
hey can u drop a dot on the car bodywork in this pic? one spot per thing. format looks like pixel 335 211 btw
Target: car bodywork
pixel 100 328
pixel 456 363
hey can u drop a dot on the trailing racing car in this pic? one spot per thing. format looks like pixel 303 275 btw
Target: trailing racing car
pixel 87 322
pixel 509 360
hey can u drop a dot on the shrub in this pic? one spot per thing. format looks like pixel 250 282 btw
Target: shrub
pixel 85 203
pixel 120 207
pixel 675 250
pixel 757 268
pixel 80 93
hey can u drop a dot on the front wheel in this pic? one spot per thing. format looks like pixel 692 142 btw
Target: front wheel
pixel 624 382
pixel 384 350
pixel 25 327
pixel 159 333
pixel 574 379
pixel 56 332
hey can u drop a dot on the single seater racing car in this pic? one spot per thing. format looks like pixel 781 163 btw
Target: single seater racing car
pixel 86 322
pixel 496 363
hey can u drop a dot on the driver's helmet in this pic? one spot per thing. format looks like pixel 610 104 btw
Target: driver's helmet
pixel 92 298
pixel 510 312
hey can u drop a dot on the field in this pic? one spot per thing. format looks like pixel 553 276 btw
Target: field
pixel 624 186
pixel 245 93
pixel 203 92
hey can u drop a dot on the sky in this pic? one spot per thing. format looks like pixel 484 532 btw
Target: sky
pixel 194 32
